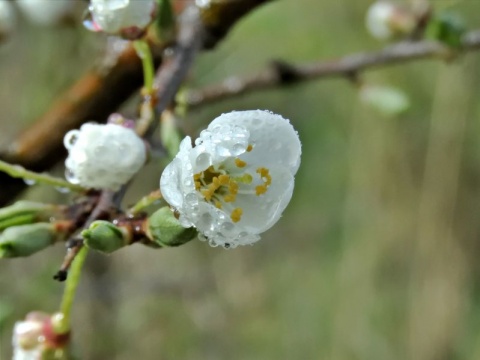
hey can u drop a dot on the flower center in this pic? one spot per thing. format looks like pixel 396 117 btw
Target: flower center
pixel 221 188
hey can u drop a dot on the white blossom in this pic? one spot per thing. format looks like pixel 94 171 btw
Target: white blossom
pixel 386 20
pixel 103 156
pixel 46 12
pixel 7 19
pixel 28 339
pixel 237 180
pixel 128 18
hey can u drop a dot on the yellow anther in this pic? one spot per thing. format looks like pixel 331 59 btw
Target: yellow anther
pixel 197 176
pixel 240 163
pixel 224 179
pixel 233 187
pixel 269 180
pixel 216 182
pixel 263 172
pixel 218 204
pixel 197 185
pixel 249 147
pixel 229 198
pixel 207 194
pixel 260 189
pixel 236 215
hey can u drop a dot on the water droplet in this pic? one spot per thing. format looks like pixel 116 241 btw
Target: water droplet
pixel 29 182
pixel 222 151
pixel 63 190
pixel 205 221
pixel 89 23
pixel 227 228
pixel 203 161
pixel 238 149
pixel 212 243
pixel 191 199
pixel 71 177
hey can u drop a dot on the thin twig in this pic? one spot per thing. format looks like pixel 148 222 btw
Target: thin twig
pixel 282 73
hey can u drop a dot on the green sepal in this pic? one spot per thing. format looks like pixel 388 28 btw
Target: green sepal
pixel 165 230
pixel 447 28
pixel 26 212
pixel 26 240
pixel 165 21
pixel 105 237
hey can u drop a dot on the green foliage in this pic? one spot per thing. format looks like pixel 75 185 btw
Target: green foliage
pixel 448 28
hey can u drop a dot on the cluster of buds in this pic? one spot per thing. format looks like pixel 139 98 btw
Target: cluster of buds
pixel 40 336
pixel 160 229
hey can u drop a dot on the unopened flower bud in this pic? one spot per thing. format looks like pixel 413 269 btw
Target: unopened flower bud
pixel 386 20
pixel 103 156
pixel 127 18
pixel 105 237
pixel 165 230
pixel 35 338
pixel 27 212
pixel 7 19
pixel 47 12
pixel 25 240
pixel 387 100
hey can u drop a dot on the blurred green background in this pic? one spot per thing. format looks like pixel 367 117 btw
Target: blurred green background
pixel 377 255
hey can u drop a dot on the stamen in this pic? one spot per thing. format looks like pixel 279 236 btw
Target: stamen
pixel 249 147
pixel 240 163
pixel 229 198
pixel 197 185
pixel 260 189
pixel 236 215
pixel 224 179
pixel 218 204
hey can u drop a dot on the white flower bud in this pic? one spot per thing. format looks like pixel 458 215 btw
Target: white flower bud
pixel 386 20
pixel 7 19
pixel 46 12
pixel 237 180
pixel 103 156
pixel 128 18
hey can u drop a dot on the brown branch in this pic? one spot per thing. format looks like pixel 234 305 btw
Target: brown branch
pixel 282 73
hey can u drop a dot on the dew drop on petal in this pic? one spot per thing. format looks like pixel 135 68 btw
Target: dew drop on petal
pixel 191 199
pixel 63 190
pixel 70 176
pixel 238 149
pixel 205 221
pixel 29 182
pixel 203 161
pixel 227 228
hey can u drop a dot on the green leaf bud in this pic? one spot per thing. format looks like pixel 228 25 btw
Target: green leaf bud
pixel 27 212
pixel 448 28
pixel 25 240
pixel 165 230
pixel 105 237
